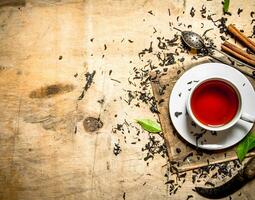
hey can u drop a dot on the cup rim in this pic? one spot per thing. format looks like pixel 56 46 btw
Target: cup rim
pixel 215 128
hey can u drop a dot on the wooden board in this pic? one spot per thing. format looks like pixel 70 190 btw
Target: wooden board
pixel 46 48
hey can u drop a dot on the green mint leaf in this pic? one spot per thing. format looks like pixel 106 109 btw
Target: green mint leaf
pixel 247 144
pixel 226 5
pixel 149 125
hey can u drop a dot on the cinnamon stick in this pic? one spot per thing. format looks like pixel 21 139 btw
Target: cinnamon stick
pixel 241 34
pixel 238 50
pixel 241 57
pixel 253 43
pixel 249 43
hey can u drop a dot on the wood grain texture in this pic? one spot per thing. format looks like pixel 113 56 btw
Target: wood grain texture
pixel 45 152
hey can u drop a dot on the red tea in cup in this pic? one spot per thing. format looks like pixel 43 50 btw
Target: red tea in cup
pixel 214 103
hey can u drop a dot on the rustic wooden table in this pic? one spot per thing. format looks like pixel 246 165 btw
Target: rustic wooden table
pixel 51 145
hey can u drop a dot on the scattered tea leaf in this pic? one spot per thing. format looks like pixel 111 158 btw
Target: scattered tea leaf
pixel 177 114
pixel 226 5
pixel 247 144
pixel 149 125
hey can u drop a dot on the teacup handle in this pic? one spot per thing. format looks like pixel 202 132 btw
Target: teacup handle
pixel 248 118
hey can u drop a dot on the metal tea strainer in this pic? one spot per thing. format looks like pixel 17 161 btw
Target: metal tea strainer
pixel 195 41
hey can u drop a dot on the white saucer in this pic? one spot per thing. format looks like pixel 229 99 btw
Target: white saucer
pixel 194 134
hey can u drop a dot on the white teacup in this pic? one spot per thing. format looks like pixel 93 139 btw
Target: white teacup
pixel 239 115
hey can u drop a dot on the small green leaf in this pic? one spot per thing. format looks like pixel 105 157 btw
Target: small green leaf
pixel 247 144
pixel 226 5
pixel 149 125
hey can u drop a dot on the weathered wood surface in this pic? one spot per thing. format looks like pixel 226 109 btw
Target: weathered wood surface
pixel 45 50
